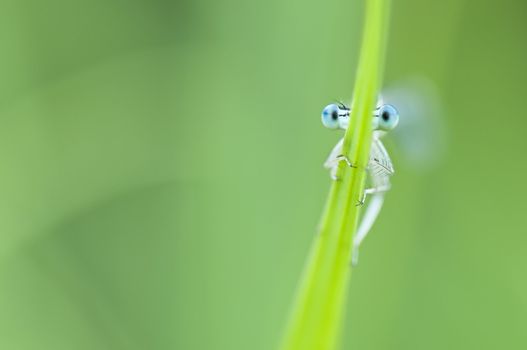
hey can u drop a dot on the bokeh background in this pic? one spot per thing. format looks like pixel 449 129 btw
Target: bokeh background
pixel 161 179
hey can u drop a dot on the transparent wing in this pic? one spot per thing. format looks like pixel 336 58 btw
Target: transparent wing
pixel 380 165
pixel 421 136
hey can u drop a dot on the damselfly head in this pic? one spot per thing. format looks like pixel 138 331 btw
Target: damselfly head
pixel 337 116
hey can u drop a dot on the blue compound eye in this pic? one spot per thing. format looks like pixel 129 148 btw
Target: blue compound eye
pixel 330 116
pixel 388 117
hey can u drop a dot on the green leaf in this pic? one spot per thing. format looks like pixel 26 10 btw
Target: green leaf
pixel 317 317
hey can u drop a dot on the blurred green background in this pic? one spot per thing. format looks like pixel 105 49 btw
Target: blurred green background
pixel 161 179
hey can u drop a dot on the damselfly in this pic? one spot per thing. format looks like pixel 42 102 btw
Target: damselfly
pixel 384 118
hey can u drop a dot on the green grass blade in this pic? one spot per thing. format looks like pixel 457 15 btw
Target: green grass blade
pixel 317 318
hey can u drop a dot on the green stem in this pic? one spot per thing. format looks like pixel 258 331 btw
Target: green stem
pixel 317 317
